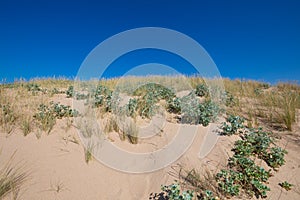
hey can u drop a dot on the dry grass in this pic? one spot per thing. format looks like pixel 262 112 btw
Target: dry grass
pixel 111 125
pixel 199 181
pixel 131 131
pixel 12 178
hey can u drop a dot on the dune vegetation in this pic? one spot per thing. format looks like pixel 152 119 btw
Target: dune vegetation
pixel 255 114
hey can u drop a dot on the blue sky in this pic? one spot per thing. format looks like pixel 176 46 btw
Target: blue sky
pixel 246 39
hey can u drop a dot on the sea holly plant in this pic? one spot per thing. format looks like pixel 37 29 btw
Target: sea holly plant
pixel 209 112
pixel 243 173
pixel 255 142
pixel 33 87
pixel 229 181
pixel 286 185
pixel 233 125
pixel 275 158
pixel 174 105
pixel 202 90
pixel 47 115
pixel 132 107
pixel 208 195
pixel 173 192
pixel 101 97
pixel 70 91
pixel 194 112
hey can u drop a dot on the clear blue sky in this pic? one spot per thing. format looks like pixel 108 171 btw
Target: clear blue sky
pixel 246 39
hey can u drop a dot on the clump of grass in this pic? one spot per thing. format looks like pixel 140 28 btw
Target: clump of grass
pixel 8 118
pixel 88 152
pixel 132 131
pixel 26 126
pixel 11 179
pixel 111 125
pixel 289 103
pixel 204 184
pixel 283 106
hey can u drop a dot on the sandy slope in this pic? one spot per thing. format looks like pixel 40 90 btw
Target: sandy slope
pixel 58 169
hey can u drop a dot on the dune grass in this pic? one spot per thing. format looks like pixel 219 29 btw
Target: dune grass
pixel 12 177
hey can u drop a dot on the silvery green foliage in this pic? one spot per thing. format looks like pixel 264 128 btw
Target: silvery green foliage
pixel 173 192
pixel 194 112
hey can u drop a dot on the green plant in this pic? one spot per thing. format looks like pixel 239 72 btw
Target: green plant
pixel 147 105
pixel 26 126
pixel 70 92
pixel 286 185
pixel 208 195
pixel 158 91
pixel 233 125
pixel 61 111
pixel 202 183
pixel 174 105
pixel 131 107
pixel 202 90
pixel 255 142
pixel 258 91
pixel 275 158
pixel 46 118
pixel 102 97
pixel 33 87
pixel 245 174
pixel 228 182
pixel 173 192
pixel 150 94
pixel 194 112
pixel 208 112
pixel 47 115
pixel 88 152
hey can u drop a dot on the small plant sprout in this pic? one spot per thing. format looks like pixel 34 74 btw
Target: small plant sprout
pixel 286 185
